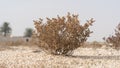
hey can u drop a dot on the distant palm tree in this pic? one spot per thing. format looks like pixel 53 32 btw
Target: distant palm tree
pixel 5 29
pixel 28 32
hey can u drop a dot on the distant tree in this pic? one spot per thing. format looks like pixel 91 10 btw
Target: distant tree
pixel 5 29
pixel 28 32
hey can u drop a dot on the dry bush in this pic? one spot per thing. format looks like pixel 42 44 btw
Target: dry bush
pixel 114 40
pixel 61 35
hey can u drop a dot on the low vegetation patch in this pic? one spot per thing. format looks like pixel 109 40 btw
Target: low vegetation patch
pixel 61 35
pixel 114 40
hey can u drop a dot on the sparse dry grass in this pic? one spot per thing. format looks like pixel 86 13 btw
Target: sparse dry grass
pixel 18 42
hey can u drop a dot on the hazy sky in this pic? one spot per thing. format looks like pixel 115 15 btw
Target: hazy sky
pixel 21 13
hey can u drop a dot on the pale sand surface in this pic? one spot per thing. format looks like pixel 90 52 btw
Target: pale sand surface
pixel 25 57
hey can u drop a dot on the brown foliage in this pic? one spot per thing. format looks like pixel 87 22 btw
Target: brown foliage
pixel 114 39
pixel 61 35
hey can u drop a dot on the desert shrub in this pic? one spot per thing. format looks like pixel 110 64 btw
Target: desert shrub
pixel 61 35
pixel 114 40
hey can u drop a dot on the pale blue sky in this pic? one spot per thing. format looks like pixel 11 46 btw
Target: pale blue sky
pixel 21 13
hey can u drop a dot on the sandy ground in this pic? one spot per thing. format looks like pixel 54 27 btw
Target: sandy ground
pixel 26 57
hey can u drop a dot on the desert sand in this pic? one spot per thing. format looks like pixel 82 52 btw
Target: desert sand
pixel 33 57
